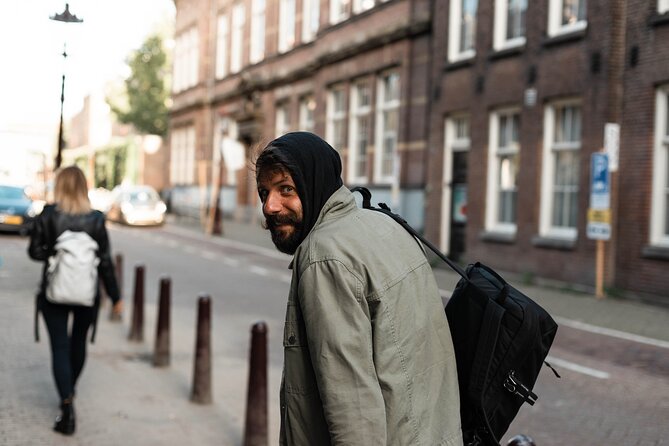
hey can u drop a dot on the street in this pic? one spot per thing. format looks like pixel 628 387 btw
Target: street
pixel 614 388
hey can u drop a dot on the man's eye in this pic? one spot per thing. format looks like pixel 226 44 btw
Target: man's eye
pixel 287 189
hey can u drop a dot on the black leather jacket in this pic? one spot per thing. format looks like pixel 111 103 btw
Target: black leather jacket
pixel 52 222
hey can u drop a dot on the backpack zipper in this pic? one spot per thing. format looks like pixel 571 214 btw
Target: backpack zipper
pixel 515 386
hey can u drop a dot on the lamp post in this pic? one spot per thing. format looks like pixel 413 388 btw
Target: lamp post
pixel 66 17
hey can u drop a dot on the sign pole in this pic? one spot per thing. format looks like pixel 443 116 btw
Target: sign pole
pixel 599 270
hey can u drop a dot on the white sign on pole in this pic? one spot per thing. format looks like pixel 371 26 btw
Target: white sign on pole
pixel 233 153
pixel 612 144
pixel 599 216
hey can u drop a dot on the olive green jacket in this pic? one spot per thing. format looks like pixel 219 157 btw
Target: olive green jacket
pixel 368 353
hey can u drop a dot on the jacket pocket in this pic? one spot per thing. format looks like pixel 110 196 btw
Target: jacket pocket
pixel 298 372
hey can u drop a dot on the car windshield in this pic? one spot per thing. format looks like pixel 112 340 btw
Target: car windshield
pixel 11 193
pixel 143 196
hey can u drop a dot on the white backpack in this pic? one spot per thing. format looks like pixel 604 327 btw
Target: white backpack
pixel 72 274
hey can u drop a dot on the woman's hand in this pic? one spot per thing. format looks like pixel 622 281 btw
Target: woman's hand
pixel 117 309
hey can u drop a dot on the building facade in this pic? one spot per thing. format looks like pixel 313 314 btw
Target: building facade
pixel 476 119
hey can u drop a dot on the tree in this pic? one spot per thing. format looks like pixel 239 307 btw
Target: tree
pixel 147 93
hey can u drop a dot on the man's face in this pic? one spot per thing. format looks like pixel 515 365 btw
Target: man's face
pixel 282 208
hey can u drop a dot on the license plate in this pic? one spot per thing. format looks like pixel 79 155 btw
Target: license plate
pixel 11 219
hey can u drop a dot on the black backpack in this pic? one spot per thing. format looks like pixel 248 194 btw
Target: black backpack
pixel 501 338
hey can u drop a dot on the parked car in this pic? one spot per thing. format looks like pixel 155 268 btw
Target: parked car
pixel 17 210
pixel 100 198
pixel 137 205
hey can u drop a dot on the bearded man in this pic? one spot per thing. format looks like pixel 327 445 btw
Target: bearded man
pixel 368 356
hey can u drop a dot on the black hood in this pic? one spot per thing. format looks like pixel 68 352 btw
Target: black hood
pixel 315 168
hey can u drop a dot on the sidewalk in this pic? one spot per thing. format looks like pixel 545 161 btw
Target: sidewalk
pixel 568 306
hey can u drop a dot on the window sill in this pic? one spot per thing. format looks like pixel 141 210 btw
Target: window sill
pixel 561 244
pixel 493 236
pixel 566 37
pixel 655 252
pixel 504 52
pixel 659 19
pixel 457 64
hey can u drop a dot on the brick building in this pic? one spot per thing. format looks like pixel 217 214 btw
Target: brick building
pixel 477 119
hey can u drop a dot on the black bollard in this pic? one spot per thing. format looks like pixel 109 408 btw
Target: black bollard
pixel 202 366
pixel 137 322
pixel 161 354
pixel 521 440
pixel 255 430
pixel 118 269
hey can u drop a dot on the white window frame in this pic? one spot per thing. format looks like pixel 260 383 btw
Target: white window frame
pixel 451 144
pixel 493 187
pixel 358 111
pixel 307 113
pixel 333 116
pixel 382 106
pixel 339 11
pixel 310 19
pixel 662 6
pixel 286 25
pixel 237 37
pixel 257 50
pixel 282 123
pixel 362 5
pixel 660 187
pixel 454 39
pixel 222 41
pixel 550 147
pixel 182 156
pixel 501 27
pixel 555 26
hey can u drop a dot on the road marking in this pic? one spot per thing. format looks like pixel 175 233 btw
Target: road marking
pixel 259 270
pixel 611 332
pixel 578 325
pixel 209 255
pixel 285 278
pixel 190 249
pixel 230 262
pixel 577 368
pixel 172 243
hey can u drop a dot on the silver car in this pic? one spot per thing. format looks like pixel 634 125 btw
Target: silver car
pixel 137 205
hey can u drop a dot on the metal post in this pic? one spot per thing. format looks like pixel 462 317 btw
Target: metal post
pixel 161 355
pixel 201 393
pixel 137 325
pixel 118 269
pixel 255 431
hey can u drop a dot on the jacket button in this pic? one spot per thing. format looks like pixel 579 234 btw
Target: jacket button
pixel 291 339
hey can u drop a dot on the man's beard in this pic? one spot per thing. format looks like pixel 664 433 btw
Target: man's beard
pixel 286 243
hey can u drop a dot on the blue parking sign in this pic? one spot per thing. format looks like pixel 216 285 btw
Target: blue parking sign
pixel 600 184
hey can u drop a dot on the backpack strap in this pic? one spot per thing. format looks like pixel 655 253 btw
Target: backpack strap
pixel 384 209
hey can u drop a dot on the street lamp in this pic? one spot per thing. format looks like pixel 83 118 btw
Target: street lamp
pixel 67 17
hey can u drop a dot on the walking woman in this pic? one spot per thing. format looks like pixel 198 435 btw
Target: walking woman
pixel 71 215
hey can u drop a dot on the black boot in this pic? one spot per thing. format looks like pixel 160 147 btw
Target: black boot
pixel 65 421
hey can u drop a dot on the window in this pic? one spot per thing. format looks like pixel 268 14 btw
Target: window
pixel 560 170
pixel 310 19
pixel 360 123
pixel 282 119
pixel 362 5
pixel 659 230
pixel 509 23
pixel 565 16
pixel 238 20
pixel 338 11
pixel 286 25
pixel 307 108
pixel 182 156
pixel 336 118
pixel 503 158
pixel 387 127
pixel 186 60
pixel 462 29
pixel 662 6
pixel 222 36
pixel 257 31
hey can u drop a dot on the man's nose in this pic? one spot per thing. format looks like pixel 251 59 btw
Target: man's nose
pixel 272 204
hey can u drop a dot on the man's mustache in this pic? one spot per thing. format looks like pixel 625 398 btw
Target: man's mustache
pixel 272 221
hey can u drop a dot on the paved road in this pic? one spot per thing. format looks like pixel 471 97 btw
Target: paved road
pixel 612 391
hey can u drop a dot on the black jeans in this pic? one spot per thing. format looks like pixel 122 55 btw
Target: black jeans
pixel 68 351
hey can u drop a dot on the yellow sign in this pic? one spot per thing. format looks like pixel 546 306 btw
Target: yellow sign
pixel 599 216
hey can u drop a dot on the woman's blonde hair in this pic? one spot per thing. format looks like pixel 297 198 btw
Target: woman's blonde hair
pixel 71 191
